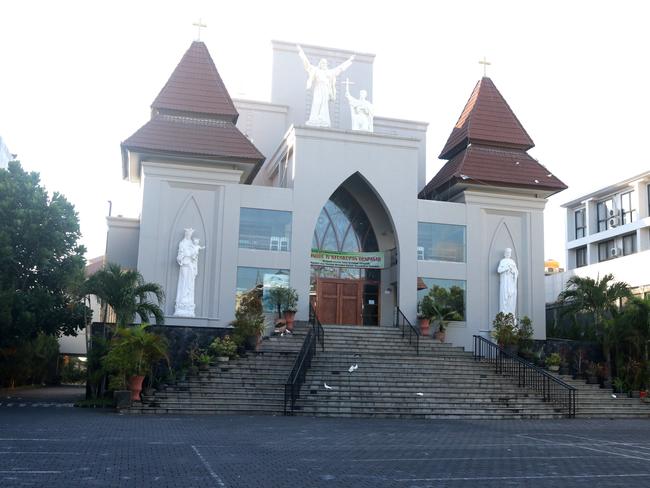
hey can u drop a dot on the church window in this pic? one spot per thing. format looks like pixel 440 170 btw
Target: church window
pixel 449 294
pixel 267 230
pixel 249 278
pixel 581 224
pixel 627 207
pixel 343 226
pixel 441 242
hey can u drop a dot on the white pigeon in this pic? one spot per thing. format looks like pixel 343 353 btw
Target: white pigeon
pixel 327 387
pixel 419 393
pixel 352 368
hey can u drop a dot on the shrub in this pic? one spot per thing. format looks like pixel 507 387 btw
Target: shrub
pixel 553 359
pixel 225 347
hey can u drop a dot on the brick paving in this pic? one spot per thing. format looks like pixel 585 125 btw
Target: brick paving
pixel 69 447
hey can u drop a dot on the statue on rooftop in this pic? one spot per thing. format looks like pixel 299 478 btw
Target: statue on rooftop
pixel 323 80
pixel 361 110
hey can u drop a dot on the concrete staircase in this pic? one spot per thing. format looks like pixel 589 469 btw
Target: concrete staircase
pixel 392 382
pixel 252 384
pixel 596 402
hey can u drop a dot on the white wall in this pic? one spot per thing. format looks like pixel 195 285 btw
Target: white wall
pixel 633 269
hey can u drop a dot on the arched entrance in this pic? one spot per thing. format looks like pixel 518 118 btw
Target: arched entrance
pixel 353 257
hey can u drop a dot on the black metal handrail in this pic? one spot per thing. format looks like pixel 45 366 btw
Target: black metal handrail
pixel 407 327
pixel 552 389
pixel 315 335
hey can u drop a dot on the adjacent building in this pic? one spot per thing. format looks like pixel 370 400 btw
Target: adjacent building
pixel 608 231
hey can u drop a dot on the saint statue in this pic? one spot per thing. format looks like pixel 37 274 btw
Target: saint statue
pixel 188 259
pixel 361 110
pixel 508 283
pixel 323 80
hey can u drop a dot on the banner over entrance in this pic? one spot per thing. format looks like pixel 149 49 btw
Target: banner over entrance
pixel 366 260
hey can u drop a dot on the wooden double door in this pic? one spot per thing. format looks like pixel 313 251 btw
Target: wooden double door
pixel 349 302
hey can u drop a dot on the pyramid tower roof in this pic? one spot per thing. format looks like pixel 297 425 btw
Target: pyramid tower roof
pixel 196 86
pixel 192 118
pixel 488 119
pixel 487 146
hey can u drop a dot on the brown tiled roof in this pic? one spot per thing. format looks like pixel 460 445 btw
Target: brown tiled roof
pixel 195 86
pixel 486 119
pixel 193 136
pixel 489 165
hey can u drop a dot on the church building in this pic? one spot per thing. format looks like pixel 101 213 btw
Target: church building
pixel 315 191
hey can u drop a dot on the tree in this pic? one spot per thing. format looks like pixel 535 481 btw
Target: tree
pixel 41 262
pixel 126 292
pixel 600 297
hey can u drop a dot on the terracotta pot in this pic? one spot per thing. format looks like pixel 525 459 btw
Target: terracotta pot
pixel 135 386
pixel 425 326
pixel 440 336
pixel 289 318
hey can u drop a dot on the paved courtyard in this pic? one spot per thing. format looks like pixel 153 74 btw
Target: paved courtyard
pixel 65 447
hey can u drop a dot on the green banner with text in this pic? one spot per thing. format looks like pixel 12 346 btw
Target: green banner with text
pixel 367 260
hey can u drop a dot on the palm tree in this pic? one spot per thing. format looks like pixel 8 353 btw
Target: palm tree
pixel 126 292
pixel 600 297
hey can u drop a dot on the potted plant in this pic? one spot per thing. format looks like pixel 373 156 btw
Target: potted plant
pixel 290 306
pixel 426 314
pixel 202 360
pixel 448 305
pixel 592 371
pixel 223 349
pixel 504 331
pixel 553 361
pixel 249 320
pixel 132 354
pixel 618 384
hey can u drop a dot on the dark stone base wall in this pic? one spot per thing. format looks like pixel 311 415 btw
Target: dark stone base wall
pixel 183 339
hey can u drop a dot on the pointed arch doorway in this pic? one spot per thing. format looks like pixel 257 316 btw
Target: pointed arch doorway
pixel 353 257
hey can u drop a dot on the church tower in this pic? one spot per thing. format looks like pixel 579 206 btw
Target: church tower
pixel 504 190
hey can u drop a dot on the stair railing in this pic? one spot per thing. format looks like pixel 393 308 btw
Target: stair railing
pixel 551 388
pixel 315 335
pixel 408 329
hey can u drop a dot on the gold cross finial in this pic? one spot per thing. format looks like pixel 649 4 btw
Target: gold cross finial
pixel 485 64
pixel 199 24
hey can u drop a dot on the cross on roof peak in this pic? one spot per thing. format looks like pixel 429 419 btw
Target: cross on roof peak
pixel 199 24
pixel 485 64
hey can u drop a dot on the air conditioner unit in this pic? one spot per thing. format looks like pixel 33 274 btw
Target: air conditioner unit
pixel 614 221
pixel 612 213
pixel 615 252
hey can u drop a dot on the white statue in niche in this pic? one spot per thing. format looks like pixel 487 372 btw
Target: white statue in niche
pixel 188 260
pixel 323 80
pixel 361 110
pixel 508 283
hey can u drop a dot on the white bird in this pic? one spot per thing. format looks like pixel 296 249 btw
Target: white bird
pixel 327 387
pixel 352 368
pixel 613 396
pixel 419 393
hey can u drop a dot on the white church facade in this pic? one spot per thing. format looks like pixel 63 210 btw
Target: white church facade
pixel 334 204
